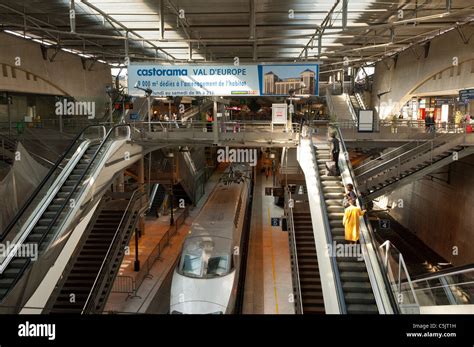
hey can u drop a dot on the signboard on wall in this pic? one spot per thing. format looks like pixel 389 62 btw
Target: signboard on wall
pixel 466 94
pixel 223 80
pixel 366 121
pixel 279 113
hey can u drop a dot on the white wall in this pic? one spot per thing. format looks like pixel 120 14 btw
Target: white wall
pixel 416 75
pixel 65 75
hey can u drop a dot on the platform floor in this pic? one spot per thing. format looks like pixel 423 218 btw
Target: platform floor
pixel 268 285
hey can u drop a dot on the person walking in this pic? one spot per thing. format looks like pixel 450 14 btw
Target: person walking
pixel 335 149
pixel 351 221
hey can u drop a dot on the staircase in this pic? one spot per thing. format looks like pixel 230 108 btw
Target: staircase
pixel 310 281
pixel 392 172
pixel 354 278
pixel 111 229
pixel 339 107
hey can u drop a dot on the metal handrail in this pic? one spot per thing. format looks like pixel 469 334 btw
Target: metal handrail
pixel 44 181
pixel 384 155
pixel 412 154
pixel 79 181
pixel 401 265
pixel 371 234
pixel 329 240
pixel 291 226
pixel 436 275
pixel 108 259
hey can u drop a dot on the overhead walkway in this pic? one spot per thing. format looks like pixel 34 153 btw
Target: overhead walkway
pixel 54 217
pixel 409 163
pixel 351 281
pixel 239 133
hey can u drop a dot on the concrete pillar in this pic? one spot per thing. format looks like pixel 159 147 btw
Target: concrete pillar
pixel 120 182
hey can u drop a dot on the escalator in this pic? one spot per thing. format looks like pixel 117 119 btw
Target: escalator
pixel 305 261
pixel 105 240
pixel 53 208
pixel 408 164
pixel 157 202
pixel 354 278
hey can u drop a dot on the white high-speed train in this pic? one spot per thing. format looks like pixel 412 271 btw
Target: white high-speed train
pixel 206 279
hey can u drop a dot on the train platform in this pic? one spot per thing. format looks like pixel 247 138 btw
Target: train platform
pixel 268 286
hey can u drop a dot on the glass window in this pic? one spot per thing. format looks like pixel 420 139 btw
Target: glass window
pixel 192 265
pixel 218 266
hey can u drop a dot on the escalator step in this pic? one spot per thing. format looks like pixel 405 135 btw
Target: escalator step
pixel 354 276
pixel 359 298
pixel 361 309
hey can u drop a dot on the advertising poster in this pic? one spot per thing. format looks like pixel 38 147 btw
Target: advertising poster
pixel 223 80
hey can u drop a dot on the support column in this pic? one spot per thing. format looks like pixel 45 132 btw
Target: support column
pixel 141 185
pixel 215 127
pixel 120 183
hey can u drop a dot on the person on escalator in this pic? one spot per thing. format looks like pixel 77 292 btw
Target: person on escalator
pixel 349 195
pixel 351 221
pixel 335 149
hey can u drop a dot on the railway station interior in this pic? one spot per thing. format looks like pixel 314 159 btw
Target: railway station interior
pixel 236 157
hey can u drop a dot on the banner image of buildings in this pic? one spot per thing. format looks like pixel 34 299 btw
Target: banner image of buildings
pixel 279 79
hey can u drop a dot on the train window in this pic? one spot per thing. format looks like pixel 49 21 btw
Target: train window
pixel 218 265
pixel 192 265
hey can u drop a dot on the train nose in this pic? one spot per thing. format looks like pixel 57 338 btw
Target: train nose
pixel 197 307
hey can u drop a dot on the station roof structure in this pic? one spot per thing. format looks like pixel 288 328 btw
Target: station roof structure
pixel 330 31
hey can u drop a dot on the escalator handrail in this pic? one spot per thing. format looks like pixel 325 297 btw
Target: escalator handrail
pixel 411 154
pixel 443 273
pixel 371 234
pixel 79 181
pixel 67 200
pixel 291 226
pixel 329 240
pixel 44 181
pixel 107 259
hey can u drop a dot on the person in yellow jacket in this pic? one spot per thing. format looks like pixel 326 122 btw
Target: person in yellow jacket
pixel 351 221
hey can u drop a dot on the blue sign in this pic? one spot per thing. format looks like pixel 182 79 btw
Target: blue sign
pixel 275 222
pixel 466 94
pixel 223 80
pixel 134 116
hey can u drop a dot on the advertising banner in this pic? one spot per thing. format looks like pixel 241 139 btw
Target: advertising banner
pixel 223 80
pixel 194 80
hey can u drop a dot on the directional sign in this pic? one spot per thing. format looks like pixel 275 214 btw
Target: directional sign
pixel 466 94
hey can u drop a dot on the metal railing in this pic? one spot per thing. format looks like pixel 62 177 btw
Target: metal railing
pixel 453 286
pixel 293 251
pixel 154 255
pixel 398 276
